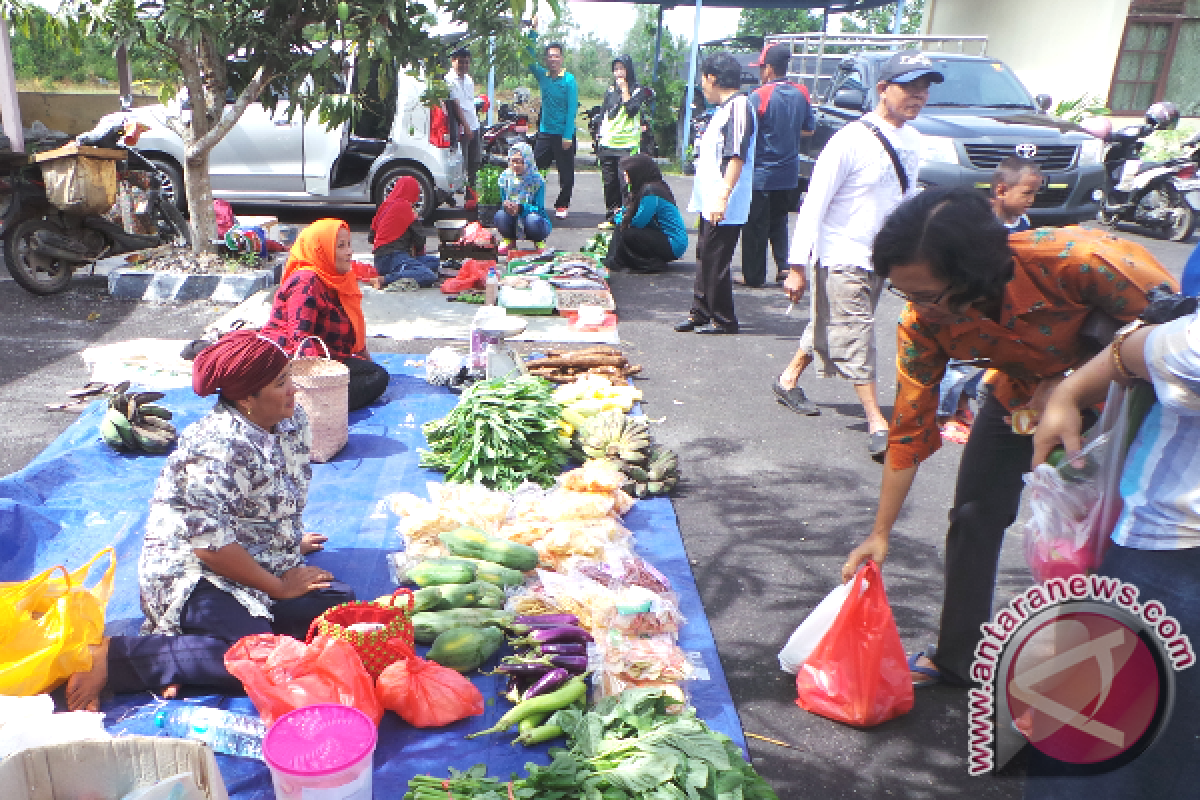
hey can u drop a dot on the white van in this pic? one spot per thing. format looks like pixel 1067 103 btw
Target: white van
pixel 267 158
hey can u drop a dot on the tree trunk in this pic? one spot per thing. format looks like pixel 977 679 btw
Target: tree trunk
pixel 198 187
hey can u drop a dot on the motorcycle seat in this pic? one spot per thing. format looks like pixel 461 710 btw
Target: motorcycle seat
pixel 1146 166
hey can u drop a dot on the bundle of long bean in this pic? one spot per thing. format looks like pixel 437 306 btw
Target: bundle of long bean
pixel 502 433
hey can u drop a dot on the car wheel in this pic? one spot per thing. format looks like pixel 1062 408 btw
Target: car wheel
pixel 427 204
pixel 35 273
pixel 171 178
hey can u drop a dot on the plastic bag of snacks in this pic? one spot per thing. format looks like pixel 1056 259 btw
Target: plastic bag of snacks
pixel 641 660
pixel 639 611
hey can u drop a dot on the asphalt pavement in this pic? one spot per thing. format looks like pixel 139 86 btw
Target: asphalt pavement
pixel 771 502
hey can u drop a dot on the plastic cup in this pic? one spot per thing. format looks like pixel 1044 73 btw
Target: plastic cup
pixel 321 752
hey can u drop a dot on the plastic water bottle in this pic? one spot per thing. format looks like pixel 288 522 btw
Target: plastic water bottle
pixel 225 732
pixel 491 287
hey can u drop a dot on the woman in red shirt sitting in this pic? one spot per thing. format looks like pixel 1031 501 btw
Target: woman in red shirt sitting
pixel 319 296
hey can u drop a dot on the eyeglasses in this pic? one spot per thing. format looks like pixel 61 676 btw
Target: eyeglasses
pixel 919 299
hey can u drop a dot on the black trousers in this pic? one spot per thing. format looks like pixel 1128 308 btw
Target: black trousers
pixel 472 154
pixel 212 620
pixel 615 191
pixel 987 497
pixel 712 299
pixel 767 224
pixel 547 150
pixel 639 249
pixel 368 382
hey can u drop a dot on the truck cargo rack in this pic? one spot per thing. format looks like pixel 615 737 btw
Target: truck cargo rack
pixel 819 54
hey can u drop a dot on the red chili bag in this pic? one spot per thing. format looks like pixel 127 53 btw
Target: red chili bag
pixel 281 674
pixel 858 674
pixel 427 695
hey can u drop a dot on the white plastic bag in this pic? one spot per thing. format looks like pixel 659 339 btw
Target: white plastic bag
pixel 813 629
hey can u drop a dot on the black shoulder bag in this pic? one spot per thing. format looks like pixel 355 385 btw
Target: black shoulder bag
pixel 891 151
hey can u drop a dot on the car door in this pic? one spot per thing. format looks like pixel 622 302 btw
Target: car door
pixel 263 153
pixel 845 103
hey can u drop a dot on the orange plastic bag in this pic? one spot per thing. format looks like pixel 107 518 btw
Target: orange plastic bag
pixel 47 625
pixel 858 674
pixel 281 674
pixel 427 695
pixel 472 275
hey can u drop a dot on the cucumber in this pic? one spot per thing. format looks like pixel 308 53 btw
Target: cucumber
pixel 428 625
pixel 465 649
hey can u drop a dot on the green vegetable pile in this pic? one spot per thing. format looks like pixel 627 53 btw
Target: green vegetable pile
pixel 598 245
pixel 627 748
pixel 502 433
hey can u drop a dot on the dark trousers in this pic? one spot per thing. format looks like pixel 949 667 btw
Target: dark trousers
pixel 1169 768
pixel 986 499
pixel 368 382
pixel 767 224
pixel 639 249
pixel 547 150
pixel 616 193
pixel 712 299
pixel 212 620
pixel 472 154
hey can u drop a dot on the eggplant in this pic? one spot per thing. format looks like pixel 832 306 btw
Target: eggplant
pixel 548 683
pixel 566 633
pixel 533 669
pixel 576 665
pixel 547 620
pixel 562 649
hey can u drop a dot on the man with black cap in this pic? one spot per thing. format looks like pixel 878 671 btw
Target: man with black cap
pixel 862 174
pixel 462 99
pixel 784 116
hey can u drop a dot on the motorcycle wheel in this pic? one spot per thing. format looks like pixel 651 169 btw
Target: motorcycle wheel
pixel 35 274
pixel 1183 219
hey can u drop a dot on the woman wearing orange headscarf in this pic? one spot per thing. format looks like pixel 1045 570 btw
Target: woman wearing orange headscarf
pixel 319 296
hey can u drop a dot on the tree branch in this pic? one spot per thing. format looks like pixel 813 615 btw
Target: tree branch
pixel 231 115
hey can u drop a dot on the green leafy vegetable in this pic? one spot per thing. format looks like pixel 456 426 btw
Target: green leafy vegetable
pixel 502 433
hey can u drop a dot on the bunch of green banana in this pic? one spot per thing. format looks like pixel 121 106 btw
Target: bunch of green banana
pixel 658 476
pixel 612 435
pixel 134 423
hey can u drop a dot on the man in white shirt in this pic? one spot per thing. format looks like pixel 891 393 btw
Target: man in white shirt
pixel 855 184
pixel 462 98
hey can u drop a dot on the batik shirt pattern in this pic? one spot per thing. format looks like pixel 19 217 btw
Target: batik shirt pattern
pixel 227 481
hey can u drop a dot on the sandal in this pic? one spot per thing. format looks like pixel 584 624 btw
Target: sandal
pixel 932 673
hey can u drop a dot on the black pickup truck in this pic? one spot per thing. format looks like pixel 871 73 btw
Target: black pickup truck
pixel 980 115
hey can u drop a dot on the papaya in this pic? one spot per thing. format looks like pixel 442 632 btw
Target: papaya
pixel 471 542
pixel 465 649
pixel 437 571
pixel 428 625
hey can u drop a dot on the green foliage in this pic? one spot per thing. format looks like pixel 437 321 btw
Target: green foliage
pixel 879 20
pixel 38 55
pixel 765 21
pixel 669 85
pixel 488 183
pixel 1081 107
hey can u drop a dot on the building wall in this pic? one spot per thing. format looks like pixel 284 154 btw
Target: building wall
pixel 71 113
pixel 1063 48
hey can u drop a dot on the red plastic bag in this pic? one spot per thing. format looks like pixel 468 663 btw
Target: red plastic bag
pixel 363 271
pixel 225 216
pixel 281 674
pixel 427 695
pixel 858 673
pixel 473 275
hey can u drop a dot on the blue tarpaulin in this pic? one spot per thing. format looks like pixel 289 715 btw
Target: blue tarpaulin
pixel 79 496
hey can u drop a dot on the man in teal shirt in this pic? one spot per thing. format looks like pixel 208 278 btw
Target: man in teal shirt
pixel 555 140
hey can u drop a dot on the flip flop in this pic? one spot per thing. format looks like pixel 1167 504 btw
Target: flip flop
pixel 935 677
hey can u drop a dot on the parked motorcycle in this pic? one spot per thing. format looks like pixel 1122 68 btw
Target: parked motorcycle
pixel 1161 196
pixel 44 245
pixel 512 126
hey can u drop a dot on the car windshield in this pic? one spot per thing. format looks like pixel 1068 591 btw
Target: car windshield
pixel 986 84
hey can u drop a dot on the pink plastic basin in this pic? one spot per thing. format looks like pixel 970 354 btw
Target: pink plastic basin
pixel 321 752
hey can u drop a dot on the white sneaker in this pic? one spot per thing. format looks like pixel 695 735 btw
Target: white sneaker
pixel 561 213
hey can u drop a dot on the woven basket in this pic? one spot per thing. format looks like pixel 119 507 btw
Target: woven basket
pixel 322 389
pixel 379 648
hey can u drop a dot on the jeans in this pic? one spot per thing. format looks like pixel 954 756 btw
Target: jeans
pixel 712 294
pixel 212 621
pixel 957 382
pixel 767 224
pixel 616 193
pixel 368 382
pixel 397 264
pixel 537 228
pixel 548 149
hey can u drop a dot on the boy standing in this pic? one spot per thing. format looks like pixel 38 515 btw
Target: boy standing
pixel 555 142
pixel 462 99
pixel 721 194
pixel 1015 184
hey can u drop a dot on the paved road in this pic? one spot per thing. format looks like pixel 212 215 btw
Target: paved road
pixel 771 504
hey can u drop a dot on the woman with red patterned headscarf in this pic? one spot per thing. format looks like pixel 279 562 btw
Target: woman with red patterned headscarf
pixel 319 297
pixel 224 548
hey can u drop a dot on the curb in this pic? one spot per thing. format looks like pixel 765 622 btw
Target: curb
pixel 176 287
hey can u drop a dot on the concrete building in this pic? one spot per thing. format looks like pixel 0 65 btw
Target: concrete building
pixel 1127 53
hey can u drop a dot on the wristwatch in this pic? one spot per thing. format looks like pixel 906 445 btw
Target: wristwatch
pixel 1119 340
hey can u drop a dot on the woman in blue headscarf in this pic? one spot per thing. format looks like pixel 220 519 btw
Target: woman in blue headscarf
pixel 523 190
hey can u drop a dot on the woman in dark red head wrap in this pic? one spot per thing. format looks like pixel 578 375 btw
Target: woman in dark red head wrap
pixel 319 297
pixel 251 373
